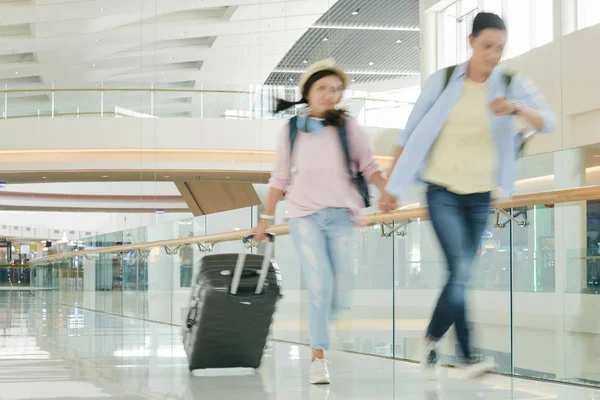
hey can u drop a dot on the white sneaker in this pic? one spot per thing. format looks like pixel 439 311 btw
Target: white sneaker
pixel 318 372
pixel 475 367
pixel 430 360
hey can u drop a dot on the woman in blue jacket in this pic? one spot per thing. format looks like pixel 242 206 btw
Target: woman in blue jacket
pixel 461 140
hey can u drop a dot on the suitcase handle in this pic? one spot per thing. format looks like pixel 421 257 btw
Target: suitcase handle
pixel 269 236
pixel 239 266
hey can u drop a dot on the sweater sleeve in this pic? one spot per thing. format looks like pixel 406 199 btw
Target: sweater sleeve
pixel 280 176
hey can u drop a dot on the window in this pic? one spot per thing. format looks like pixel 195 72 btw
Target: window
pixel 588 13
pixel 518 17
pixel 465 25
pixel 448 37
pixel 493 6
pixel 529 24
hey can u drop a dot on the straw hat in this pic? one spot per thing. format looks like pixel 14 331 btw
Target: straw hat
pixel 324 65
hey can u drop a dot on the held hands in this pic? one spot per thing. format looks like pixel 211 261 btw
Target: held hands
pixel 502 106
pixel 261 228
pixel 387 202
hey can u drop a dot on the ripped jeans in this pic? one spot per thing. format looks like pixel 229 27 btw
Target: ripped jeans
pixel 324 242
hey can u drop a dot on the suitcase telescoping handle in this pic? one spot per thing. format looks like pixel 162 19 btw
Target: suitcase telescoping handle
pixel 239 266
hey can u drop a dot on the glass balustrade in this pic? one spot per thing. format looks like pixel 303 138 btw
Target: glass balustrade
pixel 183 100
pixel 534 290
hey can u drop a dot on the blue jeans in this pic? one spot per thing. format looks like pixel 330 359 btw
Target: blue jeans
pixel 324 242
pixel 459 222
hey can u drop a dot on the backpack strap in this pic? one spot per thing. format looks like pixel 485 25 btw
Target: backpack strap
pixel 293 132
pixel 343 133
pixel 449 73
pixel 507 75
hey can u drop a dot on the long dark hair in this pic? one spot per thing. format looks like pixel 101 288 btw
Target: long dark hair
pixel 331 117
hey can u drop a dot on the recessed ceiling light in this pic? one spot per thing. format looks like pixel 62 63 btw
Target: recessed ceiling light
pixel 101 8
pixel 17 73
pixel 165 79
pixel 10 48
pixel 371 63
pixel 399 41
pixel 356 12
pixel 93 65
pixel 353 80
pixel 97 40
pixel 44 177
pixel 226 177
pixel 305 62
pixel 170 58
pixel 166 176
pixel 291 79
pixel 104 176
pixel 326 39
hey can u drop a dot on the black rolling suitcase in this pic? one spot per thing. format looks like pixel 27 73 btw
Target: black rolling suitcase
pixel 232 307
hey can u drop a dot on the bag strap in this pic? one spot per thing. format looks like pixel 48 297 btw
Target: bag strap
pixel 507 75
pixel 293 132
pixel 343 134
pixel 449 73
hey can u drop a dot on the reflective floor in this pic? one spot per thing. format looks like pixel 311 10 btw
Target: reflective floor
pixel 49 351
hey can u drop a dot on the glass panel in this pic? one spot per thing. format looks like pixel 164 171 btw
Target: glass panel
pixel 448 39
pixel 493 6
pixel 543 22
pixel 518 20
pixel 135 277
pixel 79 100
pixel 131 99
pixel 29 102
pixel 369 326
pixel 226 101
pixel 588 13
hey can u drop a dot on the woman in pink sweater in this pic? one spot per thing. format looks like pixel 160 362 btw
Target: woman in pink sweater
pixel 324 200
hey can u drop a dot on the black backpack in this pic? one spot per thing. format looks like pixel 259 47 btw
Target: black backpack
pixel 359 180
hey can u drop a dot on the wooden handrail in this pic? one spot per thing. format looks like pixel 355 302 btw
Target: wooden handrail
pixel 518 201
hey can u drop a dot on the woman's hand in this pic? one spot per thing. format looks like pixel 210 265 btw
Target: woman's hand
pixel 387 202
pixel 260 230
pixel 502 106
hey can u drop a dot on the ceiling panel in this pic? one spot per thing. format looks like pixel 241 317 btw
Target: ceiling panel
pixel 373 40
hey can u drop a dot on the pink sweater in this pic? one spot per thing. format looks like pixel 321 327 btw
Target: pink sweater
pixel 318 177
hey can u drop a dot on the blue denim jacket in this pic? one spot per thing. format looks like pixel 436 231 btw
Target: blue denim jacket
pixel 432 110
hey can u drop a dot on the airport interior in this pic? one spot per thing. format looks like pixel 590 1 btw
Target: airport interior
pixel 140 138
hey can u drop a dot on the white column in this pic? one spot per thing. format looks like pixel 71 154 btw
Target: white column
pixel 570 230
pixel 564 15
pixel 428 25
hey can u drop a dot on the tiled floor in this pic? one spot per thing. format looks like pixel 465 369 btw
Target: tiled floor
pixel 55 352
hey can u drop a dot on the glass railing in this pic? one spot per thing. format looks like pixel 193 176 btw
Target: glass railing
pixel 183 100
pixel 533 300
